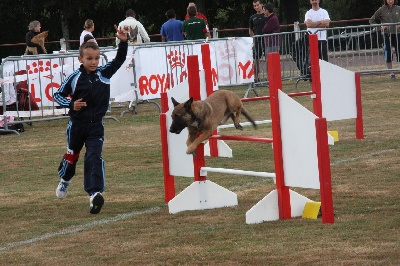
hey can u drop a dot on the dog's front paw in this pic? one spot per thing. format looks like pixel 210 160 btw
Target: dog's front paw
pixel 191 149
pixel 239 126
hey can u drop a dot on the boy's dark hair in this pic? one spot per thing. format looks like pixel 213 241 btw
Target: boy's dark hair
pixel 191 11
pixel 86 45
pixel 130 13
pixel 269 7
pixel 255 1
pixel 170 13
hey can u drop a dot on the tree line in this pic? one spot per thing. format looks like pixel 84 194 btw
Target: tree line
pixel 65 18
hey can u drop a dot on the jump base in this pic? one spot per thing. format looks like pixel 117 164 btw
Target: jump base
pixel 267 209
pixel 202 195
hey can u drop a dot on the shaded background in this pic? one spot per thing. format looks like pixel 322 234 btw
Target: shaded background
pixel 65 18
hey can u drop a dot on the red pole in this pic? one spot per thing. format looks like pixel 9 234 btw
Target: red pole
pixel 315 74
pixel 194 91
pixel 193 77
pixel 198 162
pixel 169 180
pixel 324 171
pixel 164 102
pixel 206 59
pixel 275 84
pixel 359 119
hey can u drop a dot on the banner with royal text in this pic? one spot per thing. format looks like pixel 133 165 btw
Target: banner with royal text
pixel 148 70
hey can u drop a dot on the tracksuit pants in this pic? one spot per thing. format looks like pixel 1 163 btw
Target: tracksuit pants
pixel 92 136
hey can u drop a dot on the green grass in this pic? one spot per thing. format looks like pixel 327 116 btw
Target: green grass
pixel 135 228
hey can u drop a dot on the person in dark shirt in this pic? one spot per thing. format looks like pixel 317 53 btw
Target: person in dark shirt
pixel 198 14
pixel 256 24
pixel 194 28
pixel 86 92
pixel 272 25
pixel 34 29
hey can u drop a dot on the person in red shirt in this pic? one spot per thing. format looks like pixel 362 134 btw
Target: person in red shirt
pixel 198 14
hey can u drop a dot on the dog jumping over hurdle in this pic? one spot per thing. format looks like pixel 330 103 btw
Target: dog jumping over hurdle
pixel 38 39
pixel 205 116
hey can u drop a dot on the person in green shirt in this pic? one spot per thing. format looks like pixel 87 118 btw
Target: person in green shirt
pixel 194 28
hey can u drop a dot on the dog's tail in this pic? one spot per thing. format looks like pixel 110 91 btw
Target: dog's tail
pixel 246 114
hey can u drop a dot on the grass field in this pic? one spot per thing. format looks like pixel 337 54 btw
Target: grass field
pixel 135 228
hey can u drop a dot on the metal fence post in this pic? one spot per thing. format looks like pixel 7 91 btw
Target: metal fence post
pixel 215 33
pixel 296 29
pixel 63 44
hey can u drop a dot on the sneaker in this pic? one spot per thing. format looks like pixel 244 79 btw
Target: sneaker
pixel 96 202
pixel 392 76
pixel 62 189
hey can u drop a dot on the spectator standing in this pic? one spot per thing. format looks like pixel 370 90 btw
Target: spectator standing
pixel 256 25
pixel 198 14
pixel 272 25
pixel 88 28
pixel 86 92
pixel 34 29
pixel 172 29
pixel 317 19
pixel 194 28
pixel 135 29
pixel 389 13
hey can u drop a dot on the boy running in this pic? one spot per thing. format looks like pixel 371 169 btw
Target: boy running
pixel 86 92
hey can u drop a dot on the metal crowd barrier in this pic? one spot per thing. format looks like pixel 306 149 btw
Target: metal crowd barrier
pixel 361 48
pixel 27 86
pixel 356 48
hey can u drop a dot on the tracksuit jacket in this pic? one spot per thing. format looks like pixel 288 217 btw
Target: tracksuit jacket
pixel 93 88
pixel 86 125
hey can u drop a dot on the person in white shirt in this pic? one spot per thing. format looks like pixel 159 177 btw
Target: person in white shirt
pixel 88 29
pixel 135 29
pixel 316 20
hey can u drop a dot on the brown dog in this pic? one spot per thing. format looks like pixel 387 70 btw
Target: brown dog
pixel 38 39
pixel 205 116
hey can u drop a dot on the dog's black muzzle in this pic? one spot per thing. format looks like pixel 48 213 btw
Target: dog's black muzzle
pixel 177 126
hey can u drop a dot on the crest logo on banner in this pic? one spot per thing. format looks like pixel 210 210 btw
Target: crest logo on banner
pixel 226 51
pixel 42 89
pixel 176 59
pixel 40 66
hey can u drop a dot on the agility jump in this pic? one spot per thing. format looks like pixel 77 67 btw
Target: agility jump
pixel 281 203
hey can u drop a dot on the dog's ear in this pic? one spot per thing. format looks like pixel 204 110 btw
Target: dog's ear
pixel 188 104
pixel 174 101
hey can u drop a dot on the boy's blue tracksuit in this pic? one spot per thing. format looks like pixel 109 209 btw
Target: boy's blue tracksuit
pixel 85 126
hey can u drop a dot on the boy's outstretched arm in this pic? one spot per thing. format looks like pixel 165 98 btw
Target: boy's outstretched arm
pixel 121 34
pixel 111 67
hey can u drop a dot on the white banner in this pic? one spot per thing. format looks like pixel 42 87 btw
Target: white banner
pixel 43 76
pixel 162 67
pixel 152 68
